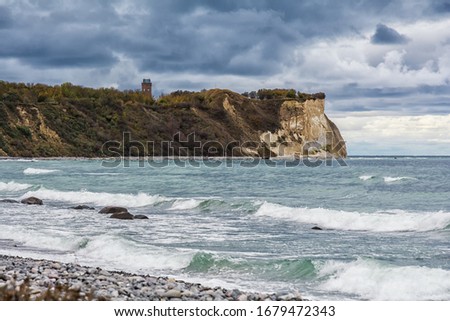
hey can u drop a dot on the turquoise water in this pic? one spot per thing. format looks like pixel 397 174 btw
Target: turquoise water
pixel 385 223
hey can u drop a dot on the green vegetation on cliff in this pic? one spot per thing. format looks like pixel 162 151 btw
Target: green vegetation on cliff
pixel 67 120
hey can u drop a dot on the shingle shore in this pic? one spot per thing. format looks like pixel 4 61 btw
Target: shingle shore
pixel 91 283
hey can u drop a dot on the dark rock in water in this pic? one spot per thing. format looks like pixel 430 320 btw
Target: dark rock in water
pixel 122 216
pixel 140 217
pixel 8 201
pixel 32 201
pixel 113 209
pixel 82 207
pixel 316 228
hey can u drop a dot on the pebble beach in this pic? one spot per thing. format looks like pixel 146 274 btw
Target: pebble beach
pixel 93 283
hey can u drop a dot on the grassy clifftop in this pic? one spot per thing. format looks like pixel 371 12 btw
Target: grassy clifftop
pixel 68 120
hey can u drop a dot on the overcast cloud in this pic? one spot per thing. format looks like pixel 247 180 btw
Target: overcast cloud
pixel 386 35
pixel 381 63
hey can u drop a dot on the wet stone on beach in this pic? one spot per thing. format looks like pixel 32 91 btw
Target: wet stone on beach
pixel 32 201
pixel 113 209
pixel 122 216
pixel 82 207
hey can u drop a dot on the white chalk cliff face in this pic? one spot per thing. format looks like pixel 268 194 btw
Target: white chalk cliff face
pixel 305 130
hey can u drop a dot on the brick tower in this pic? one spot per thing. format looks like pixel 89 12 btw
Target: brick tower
pixel 147 87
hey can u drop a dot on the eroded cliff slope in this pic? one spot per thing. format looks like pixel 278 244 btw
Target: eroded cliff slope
pixel 74 121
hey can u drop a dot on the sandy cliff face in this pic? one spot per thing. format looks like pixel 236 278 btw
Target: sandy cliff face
pixel 305 129
pixel 32 118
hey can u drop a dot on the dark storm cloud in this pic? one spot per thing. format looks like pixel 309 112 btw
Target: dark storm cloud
pixel 45 35
pixel 5 17
pixel 440 7
pixel 215 37
pixel 240 37
pixel 53 50
pixel 385 35
pixel 242 42
pixel 413 100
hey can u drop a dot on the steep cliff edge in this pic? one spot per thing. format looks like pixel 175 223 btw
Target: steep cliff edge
pixel 305 129
pixel 67 120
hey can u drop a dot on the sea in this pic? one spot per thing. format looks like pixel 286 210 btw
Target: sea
pixel 367 228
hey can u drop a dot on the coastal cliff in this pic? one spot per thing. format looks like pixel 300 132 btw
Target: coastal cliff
pixel 305 129
pixel 68 120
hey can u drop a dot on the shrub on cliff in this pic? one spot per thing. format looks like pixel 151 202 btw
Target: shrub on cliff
pixel 276 93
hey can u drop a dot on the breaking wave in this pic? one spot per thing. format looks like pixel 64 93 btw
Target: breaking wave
pixel 120 253
pixel 100 199
pixel 372 280
pixel 389 179
pixel 13 186
pixel 185 204
pixel 396 221
pixel 269 269
pixel 366 177
pixel 203 204
pixel 38 171
pixel 107 250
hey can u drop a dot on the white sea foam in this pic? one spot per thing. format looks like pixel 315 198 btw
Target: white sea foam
pixel 185 204
pixel 18 160
pixel 366 177
pixel 389 179
pixel 38 171
pixel 395 221
pixel 372 280
pixel 100 199
pixel 13 186
pixel 113 251
pixel 106 250
pixel 43 239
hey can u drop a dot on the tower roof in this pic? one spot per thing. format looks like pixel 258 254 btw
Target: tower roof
pixel 146 81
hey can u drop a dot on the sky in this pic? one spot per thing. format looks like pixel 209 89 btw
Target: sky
pixel 384 65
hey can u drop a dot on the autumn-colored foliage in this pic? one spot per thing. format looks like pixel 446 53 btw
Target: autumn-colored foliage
pixel 69 120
